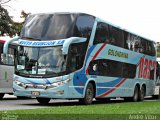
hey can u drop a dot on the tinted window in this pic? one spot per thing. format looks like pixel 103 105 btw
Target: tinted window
pixel 77 56
pixel 84 25
pixel 102 33
pixel 116 36
pixel 138 44
pixel 104 67
pixel 150 49
pixel 57 26
pixel 10 57
pixel 133 42
pixel 109 34
pixel 129 70
pixel 48 26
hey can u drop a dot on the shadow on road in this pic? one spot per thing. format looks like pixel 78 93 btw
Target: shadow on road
pixel 59 102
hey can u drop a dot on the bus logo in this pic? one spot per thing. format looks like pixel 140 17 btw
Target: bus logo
pixel 146 68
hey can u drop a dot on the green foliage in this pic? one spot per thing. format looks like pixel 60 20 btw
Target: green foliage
pixel 158 49
pixel 7 25
pixel 5 21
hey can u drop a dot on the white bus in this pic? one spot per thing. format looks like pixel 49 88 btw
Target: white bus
pixel 6 70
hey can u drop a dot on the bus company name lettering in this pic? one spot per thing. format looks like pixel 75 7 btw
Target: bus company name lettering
pixel 146 67
pixel 41 43
pixel 117 53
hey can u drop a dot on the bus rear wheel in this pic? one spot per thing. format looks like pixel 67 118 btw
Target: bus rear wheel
pixel 142 93
pixel 89 94
pixel 135 95
pixel 43 100
pixel 1 95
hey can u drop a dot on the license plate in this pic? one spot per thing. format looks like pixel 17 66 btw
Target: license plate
pixel 35 93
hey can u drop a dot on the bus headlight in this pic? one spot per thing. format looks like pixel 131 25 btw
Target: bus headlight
pixel 17 82
pixel 55 84
pixel 20 84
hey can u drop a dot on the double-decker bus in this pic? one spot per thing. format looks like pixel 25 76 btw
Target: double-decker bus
pixel 6 69
pixel 80 56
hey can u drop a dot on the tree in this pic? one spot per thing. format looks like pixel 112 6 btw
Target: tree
pixel 158 49
pixel 5 21
pixel 24 14
pixel 7 25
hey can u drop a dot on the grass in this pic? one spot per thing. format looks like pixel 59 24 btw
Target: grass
pixel 122 110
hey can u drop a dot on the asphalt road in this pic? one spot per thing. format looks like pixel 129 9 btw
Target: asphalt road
pixel 10 102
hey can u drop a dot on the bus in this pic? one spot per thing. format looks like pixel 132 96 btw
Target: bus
pixel 80 56
pixel 6 69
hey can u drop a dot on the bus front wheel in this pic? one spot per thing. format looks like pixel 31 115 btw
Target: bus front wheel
pixel 1 95
pixel 43 100
pixel 89 94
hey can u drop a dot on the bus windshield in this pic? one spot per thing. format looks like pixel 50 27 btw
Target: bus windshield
pixel 40 61
pixel 48 26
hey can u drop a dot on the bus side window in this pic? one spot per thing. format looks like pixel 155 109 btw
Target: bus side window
pixel 116 36
pixel 104 67
pixel 134 42
pixel 94 68
pixel 9 58
pixel 84 26
pixel 150 49
pixel 102 33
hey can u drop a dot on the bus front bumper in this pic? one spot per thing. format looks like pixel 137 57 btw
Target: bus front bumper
pixel 57 92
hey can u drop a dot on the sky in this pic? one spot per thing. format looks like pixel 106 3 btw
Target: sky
pixel 138 16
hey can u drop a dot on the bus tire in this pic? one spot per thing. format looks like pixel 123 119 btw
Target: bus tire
pixel 89 94
pixel 1 96
pixel 142 93
pixel 135 95
pixel 43 100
